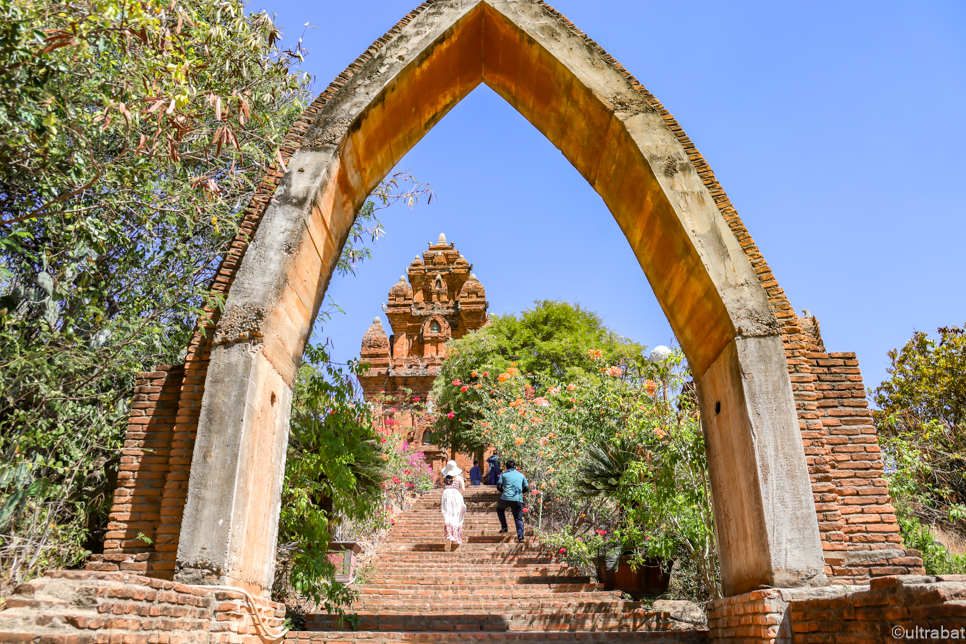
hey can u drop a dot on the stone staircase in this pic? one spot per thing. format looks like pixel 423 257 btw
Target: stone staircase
pixel 491 589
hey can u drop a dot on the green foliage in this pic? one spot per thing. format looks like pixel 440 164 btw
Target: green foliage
pixel 617 450
pixel 936 559
pixel 544 344
pixel 578 549
pixel 334 469
pixel 344 469
pixel 921 419
pixel 132 134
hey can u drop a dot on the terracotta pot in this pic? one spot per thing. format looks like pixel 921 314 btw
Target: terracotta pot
pixel 651 578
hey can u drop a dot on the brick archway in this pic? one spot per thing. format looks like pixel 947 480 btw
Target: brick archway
pixel 623 145
pixel 229 407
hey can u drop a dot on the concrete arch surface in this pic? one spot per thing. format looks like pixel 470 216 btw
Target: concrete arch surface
pixel 633 155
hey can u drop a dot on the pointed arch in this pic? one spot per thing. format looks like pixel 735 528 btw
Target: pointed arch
pixel 664 199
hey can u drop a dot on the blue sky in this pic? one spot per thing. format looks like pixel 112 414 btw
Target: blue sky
pixel 837 129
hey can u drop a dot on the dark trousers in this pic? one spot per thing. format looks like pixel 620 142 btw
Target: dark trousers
pixel 516 507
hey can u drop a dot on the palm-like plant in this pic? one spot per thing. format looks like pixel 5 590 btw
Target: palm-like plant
pixel 602 469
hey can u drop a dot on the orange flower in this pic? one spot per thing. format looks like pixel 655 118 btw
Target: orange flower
pixel 519 440
pixel 512 371
pixel 473 374
pixel 503 377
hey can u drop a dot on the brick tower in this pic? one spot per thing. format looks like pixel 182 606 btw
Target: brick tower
pixel 439 300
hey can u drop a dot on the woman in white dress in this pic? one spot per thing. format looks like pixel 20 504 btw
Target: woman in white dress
pixel 453 506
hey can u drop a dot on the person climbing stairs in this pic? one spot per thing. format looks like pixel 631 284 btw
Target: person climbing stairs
pixel 492 589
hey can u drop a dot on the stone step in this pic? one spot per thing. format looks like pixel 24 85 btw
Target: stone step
pixel 420 581
pixel 528 605
pixel 456 568
pixel 459 556
pixel 630 621
pixel 508 546
pixel 495 637
pixel 509 591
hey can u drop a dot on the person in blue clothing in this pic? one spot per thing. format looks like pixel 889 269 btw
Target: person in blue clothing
pixel 476 476
pixel 513 486
pixel 494 474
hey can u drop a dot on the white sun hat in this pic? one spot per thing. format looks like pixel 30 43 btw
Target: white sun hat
pixel 451 469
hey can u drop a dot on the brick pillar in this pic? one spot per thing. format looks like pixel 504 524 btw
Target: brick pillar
pixel 145 465
pixel 860 535
pixel 182 448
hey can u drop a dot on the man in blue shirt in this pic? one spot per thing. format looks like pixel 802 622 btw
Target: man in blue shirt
pixel 476 476
pixel 513 485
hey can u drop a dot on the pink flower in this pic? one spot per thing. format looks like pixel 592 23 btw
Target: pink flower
pixel 410 485
pixel 383 439
pixel 406 472
pixel 415 399
pixel 601 532
pixel 486 373
pixel 526 509
pixel 561 551
pixel 457 383
pixel 451 415
pixel 464 388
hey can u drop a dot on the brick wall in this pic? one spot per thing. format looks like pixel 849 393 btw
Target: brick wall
pixel 76 607
pixel 857 522
pixel 144 473
pixel 857 615
pixel 891 610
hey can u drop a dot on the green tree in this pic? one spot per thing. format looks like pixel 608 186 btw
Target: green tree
pixel 921 419
pixel 133 135
pixel 545 344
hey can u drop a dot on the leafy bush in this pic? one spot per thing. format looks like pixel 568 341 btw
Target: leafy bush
pixel 346 474
pixel 126 159
pixel 617 450
pixel 921 420
pixel 545 344
pixel 579 550
pixel 936 559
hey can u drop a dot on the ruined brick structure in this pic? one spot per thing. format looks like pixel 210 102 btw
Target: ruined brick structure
pixel 438 299
pixel 793 459
pixel 835 427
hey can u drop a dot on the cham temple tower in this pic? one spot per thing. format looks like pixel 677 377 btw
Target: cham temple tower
pixel 437 300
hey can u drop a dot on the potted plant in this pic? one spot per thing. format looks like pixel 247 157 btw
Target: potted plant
pixel 621 568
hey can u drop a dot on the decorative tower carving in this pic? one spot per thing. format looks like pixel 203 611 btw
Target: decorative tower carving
pixel 439 300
